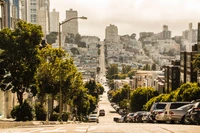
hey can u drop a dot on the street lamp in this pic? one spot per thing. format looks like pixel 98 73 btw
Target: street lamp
pixel 59 36
pixel 146 86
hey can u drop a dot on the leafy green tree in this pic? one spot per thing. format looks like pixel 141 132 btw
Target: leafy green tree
pixel 78 38
pixel 121 94
pixel 19 59
pixel 131 73
pixel 153 67
pixel 147 67
pixel 158 98
pixel 196 62
pixel 52 37
pixel 49 72
pixel 139 97
pixel 82 101
pixel 112 70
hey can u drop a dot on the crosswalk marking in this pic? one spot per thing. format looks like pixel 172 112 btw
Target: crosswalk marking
pixel 55 130
pixel 83 129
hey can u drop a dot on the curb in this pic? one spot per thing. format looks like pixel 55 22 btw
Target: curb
pixel 11 124
pixel 15 124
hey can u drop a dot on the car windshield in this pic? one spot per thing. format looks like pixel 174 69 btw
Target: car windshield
pixel 160 106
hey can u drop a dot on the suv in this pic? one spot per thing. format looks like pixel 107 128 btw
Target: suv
pixel 101 112
pixel 156 108
pixel 169 106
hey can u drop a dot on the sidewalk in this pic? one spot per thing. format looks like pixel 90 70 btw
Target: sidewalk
pixel 10 123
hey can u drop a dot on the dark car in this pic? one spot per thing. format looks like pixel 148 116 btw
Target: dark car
pixel 101 112
pixel 193 114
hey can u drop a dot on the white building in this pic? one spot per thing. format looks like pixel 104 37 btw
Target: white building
pixel 71 26
pixel 43 20
pixel 54 19
pixel 35 10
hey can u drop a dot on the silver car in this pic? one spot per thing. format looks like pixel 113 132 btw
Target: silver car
pixel 178 114
pixel 167 110
pixel 93 118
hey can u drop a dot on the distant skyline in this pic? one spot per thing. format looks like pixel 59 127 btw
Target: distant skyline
pixel 131 16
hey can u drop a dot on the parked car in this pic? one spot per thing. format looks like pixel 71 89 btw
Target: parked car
pixel 159 116
pixel 146 117
pixel 137 117
pixel 101 112
pixel 93 118
pixel 129 117
pixel 193 114
pixel 177 115
pixel 169 106
pixel 157 108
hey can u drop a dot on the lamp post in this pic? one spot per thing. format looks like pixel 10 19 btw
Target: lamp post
pixel 146 86
pixel 59 36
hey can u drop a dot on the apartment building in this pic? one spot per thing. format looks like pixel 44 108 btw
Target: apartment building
pixel 172 76
pixel 165 34
pixel 111 34
pixel 70 27
pixel 54 19
pixel 146 34
pixel 37 12
pixel 190 34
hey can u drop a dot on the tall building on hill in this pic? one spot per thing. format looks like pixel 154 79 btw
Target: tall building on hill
pixel 54 19
pixel 146 34
pixel 111 33
pixel 165 34
pixel 71 26
pixel 190 34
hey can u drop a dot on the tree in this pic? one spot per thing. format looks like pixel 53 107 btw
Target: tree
pixel 19 59
pixel 112 70
pixel 139 97
pixel 153 67
pixel 48 72
pixel 196 62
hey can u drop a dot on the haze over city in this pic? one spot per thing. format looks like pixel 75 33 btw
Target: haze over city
pixel 131 16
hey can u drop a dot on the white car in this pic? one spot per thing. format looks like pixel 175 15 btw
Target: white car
pixel 93 118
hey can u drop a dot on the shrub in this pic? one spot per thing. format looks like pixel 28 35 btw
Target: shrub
pixel 40 112
pixel 23 112
pixel 65 116
pixel 54 116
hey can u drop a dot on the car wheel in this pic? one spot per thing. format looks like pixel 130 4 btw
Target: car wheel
pixel 177 122
pixel 185 120
pixel 168 122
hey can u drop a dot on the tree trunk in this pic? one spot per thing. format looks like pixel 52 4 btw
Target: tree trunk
pixel 52 102
pixel 20 97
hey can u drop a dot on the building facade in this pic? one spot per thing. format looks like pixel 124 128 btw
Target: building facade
pixel 70 27
pixel 54 19
pixel 111 33
pixel 146 34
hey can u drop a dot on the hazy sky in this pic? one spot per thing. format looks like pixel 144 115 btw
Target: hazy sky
pixel 131 16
